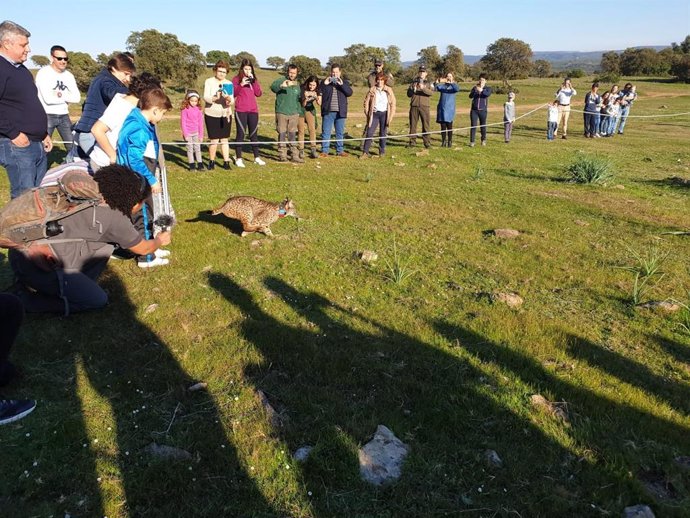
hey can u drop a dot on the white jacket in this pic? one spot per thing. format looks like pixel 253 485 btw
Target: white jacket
pixel 56 89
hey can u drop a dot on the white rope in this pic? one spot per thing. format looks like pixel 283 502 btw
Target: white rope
pixel 403 136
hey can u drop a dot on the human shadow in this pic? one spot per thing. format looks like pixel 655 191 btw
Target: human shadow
pixel 679 351
pixel 629 371
pixel 114 369
pixel 334 376
pixel 613 417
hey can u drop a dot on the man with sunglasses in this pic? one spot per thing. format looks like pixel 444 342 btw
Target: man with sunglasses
pixel 56 89
pixel 24 140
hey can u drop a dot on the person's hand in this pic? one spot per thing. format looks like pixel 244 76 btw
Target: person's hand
pixel 47 144
pixel 21 140
pixel 163 238
pixel 113 158
pixel 156 188
pixel 327 81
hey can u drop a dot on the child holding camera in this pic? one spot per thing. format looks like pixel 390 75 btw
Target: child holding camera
pixel 246 89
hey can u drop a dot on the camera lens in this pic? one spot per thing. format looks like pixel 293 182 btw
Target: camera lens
pixel 53 228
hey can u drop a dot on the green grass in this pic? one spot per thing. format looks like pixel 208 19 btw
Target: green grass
pixel 338 348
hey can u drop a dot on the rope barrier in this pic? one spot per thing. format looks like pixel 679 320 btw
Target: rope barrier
pixel 406 135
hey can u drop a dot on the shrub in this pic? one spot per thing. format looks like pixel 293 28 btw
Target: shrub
pixel 609 77
pixel 575 73
pixel 505 89
pixel 587 169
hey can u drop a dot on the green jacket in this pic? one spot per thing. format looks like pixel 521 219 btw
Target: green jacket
pixel 287 99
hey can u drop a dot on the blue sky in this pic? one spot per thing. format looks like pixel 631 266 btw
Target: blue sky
pixel 284 28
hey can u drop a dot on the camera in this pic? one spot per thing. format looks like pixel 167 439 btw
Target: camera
pixel 53 228
pixel 164 222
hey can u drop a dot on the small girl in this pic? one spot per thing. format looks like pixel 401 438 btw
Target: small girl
pixel 509 115
pixel 552 120
pixel 192 125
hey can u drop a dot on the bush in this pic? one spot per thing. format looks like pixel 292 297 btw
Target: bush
pixel 609 77
pixel 587 169
pixel 575 73
pixel 504 90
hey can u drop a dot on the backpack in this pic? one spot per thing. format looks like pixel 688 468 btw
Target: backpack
pixel 35 215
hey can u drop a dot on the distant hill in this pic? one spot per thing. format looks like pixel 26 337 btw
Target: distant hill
pixel 561 59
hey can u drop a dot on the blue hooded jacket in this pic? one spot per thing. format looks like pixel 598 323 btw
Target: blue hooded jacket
pixel 136 137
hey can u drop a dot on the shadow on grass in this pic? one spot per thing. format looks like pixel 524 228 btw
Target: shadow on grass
pixel 617 422
pixel 206 216
pixel 335 376
pixel 630 372
pixel 675 182
pixel 679 351
pixel 125 371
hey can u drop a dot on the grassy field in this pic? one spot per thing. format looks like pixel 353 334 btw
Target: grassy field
pixel 339 347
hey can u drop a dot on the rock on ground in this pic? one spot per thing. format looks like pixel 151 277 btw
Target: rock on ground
pixel 302 454
pixel 506 233
pixel 512 300
pixel 664 305
pixel 163 452
pixel 492 459
pixel 539 401
pixel 367 256
pixel 271 414
pixel 638 511
pixel 381 459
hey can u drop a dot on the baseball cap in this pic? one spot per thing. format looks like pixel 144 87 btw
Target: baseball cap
pixel 422 68
pixel 378 62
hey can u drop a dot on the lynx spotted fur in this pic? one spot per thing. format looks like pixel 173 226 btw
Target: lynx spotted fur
pixel 256 215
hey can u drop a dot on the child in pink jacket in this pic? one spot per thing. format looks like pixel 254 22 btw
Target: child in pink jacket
pixel 192 124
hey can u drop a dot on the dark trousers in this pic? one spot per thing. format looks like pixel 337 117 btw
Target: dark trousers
pixel 447 133
pixel 64 127
pixel 478 116
pixel 61 291
pixel 416 114
pixel 590 123
pixel 11 316
pixel 380 119
pixel 247 123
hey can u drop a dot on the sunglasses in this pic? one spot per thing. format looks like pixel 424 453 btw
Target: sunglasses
pixel 61 59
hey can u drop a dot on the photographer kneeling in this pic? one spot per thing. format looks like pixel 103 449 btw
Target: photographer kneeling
pixel 62 275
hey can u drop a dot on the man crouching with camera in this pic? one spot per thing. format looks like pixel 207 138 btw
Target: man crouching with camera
pixel 61 277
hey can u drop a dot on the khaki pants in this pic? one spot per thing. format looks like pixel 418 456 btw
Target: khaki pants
pixel 308 122
pixel 563 115
pixel 287 126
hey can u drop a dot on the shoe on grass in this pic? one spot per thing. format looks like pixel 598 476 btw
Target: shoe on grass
pixel 258 161
pixel 162 254
pixel 239 162
pixel 158 261
pixel 12 410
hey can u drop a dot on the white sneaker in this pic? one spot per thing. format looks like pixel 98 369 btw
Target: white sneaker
pixel 158 261
pixel 239 162
pixel 162 253
pixel 258 161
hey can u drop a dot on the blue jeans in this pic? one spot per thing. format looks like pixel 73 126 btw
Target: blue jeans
pixel 551 130
pixel 380 119
pixel 604 124
pixel 26 166
pixel 329 120
pixel 612 124
pixel 624 116
pixel 64 127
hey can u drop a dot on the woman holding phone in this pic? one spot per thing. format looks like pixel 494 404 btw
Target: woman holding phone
pixel 218 94
pixel 246 89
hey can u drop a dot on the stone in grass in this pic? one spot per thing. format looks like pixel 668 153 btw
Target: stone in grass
pixel 163 452
pixel 663 305
pixel 539 401
pixel 273 416
pixel 423 152
pixel 492 459
pixel 150 308
pixel 302 454
pixel 367 256
pixel 512 300
pixel 432 166
pixel 506 233
pixel 381 459
pixel 638 511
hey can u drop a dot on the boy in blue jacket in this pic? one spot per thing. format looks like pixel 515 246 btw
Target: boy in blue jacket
pixel 137 148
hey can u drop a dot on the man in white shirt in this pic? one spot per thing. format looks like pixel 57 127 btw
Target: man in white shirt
pixel 56 89
pixel 563 96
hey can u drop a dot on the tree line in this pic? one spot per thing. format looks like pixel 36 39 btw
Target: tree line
pixel 180 64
